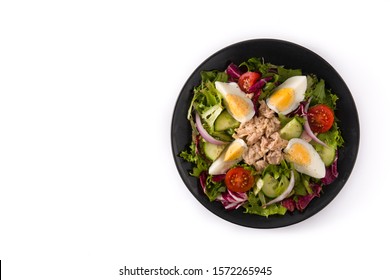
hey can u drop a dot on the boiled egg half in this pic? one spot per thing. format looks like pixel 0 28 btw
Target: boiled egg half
pixel 287 96
pixel 237 103
pixel 231 155
pixel 305 158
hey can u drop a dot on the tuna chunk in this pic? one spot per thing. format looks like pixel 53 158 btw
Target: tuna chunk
pixel 262 136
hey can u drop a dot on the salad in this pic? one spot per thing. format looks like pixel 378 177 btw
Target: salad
pixel 264 138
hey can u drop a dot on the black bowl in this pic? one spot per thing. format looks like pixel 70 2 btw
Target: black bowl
pixel 290 55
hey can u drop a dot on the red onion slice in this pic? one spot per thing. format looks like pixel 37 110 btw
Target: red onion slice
pixel 285 193
pixel 311 134
pixel 206 136
pixel 304 136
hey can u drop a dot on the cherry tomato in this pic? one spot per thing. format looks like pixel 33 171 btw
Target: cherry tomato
pixel 238 179
pixel 320 118
pixel 247 80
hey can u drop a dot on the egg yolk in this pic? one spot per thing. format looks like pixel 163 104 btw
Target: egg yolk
pixel 282 98
pixel 298 154
pixel 234 151
pixel 237 106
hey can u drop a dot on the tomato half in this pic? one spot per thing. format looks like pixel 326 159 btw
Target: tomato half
pixel 238 179
pixel 320 118
pixel 247 80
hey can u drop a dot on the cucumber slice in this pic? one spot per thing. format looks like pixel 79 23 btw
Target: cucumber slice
pixel 327 154
pixel 222 136
pixel 213 151
pixel 293 129
pixel 270 185
pixel 225 121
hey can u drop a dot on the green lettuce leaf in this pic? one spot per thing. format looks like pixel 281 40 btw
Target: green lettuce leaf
pixel 332 137
pixel 254 206
pixel 319 94
pixel 213 76
pixel 302 184
pixel 214 189
pixel 191 156
pixel 256 64
pixel 284 73
pixel 277 171
pixel 207 101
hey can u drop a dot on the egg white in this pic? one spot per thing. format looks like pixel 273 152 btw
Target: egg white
pixel 237 103
pixel 298 84
pixel 315 167
pixel 221 165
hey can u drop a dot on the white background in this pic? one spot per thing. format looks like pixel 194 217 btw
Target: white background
pixel 87 178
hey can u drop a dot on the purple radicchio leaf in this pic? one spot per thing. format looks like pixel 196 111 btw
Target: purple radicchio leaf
pixel 289 203
pixel 202 179
pixel 232 200
pixel 218 178
pixel 300 111
pixel 331 172
pixel 303 201
pixel 233 72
